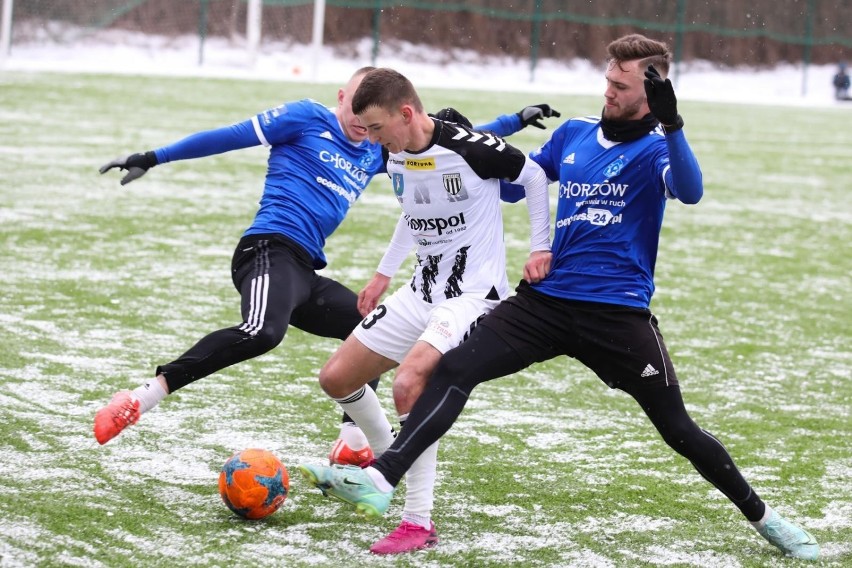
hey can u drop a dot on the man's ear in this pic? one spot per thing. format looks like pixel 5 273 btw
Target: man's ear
pixel 340 95
pixel 407 113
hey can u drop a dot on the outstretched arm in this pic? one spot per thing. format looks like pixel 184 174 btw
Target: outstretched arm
pixel 505 124
pixel 210 142
pixel 508 124
pixel 206 143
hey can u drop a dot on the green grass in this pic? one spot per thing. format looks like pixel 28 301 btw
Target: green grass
pixel 546 468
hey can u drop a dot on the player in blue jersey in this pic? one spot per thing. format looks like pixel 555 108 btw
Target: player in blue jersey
pixel 320 162
pixel 615 173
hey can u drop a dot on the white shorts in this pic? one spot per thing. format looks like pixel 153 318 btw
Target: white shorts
pixel 403 318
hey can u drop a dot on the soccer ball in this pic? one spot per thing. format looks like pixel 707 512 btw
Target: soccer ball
pixel 253 483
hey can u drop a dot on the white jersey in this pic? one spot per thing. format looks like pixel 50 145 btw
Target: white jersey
pixel 450 197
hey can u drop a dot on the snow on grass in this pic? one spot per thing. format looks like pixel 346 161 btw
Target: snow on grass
pixel 546 468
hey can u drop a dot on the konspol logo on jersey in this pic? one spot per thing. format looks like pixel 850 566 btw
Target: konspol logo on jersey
pixel 341 163
pixel 439 224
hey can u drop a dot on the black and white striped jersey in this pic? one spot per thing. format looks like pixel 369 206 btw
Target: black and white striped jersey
pixel 450 198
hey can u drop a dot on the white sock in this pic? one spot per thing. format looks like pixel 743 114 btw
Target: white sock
pixel 420 487
pixel 364 408
pixel 379 479
pixel 762 521
pixel 424 521
pixel 352 436
pixel 149 395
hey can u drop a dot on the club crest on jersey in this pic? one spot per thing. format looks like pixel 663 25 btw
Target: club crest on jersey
pixel 615 167
pixel 367 160
pixel 454 187
pixel 398 184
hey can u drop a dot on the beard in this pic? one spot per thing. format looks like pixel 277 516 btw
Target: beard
pixel 628 112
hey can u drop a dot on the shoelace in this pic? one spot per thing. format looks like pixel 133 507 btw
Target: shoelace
pixel 405 527
pixel 124 414
pixel 788 536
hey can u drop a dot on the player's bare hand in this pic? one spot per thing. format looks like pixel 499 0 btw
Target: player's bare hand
pixel 368 298
pixel 537 266
pixel 135 164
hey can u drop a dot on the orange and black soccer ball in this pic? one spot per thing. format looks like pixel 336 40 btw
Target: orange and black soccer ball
pixel 253 483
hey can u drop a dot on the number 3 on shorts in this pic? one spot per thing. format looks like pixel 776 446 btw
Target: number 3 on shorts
pixel 374 316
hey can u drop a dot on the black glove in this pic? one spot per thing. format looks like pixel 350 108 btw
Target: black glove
pixel 662 100
pixel 135 164
pixel 450 114
pixel 532 114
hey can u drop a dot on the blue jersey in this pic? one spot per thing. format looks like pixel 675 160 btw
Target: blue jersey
pixel 610 209
pixel 309 151
pixel 315 173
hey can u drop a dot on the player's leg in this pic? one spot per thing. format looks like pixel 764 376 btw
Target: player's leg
pixel 509 339
pixel 344 378
pixel 450 323
pixel 332 311
pixel 416 529
pixel 377 344
pixel 626 349
pixel 272 278
pixel 521 330
pixel 664 406
pixel 370 489
pixel 484 356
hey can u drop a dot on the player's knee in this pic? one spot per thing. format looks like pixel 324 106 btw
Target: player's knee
pixel 327 379
pixel 682 436
pixel 406 390
pixel 331 382
pixel 452 371
pixel 267 338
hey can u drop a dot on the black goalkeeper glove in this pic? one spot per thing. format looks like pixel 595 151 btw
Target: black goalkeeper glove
pixel 531 115
pixel 135 164
pixel 662 100
pixel 450 114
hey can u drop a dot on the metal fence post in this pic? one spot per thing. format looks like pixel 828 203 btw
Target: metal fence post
pixel 809 39
pixel 202 30
pixel 377 20
pixel 680 25
pixel 317 34
pixel 6 32
pixel 536 37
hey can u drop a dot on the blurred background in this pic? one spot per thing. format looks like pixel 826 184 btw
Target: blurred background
pixel 758 34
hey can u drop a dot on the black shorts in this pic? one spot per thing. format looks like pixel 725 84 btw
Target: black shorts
pixel 622 345
pixel 297 294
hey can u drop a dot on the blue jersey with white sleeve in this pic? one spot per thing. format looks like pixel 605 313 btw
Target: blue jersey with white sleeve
pixel 610 209
pixel 315 173
pixel 309 150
